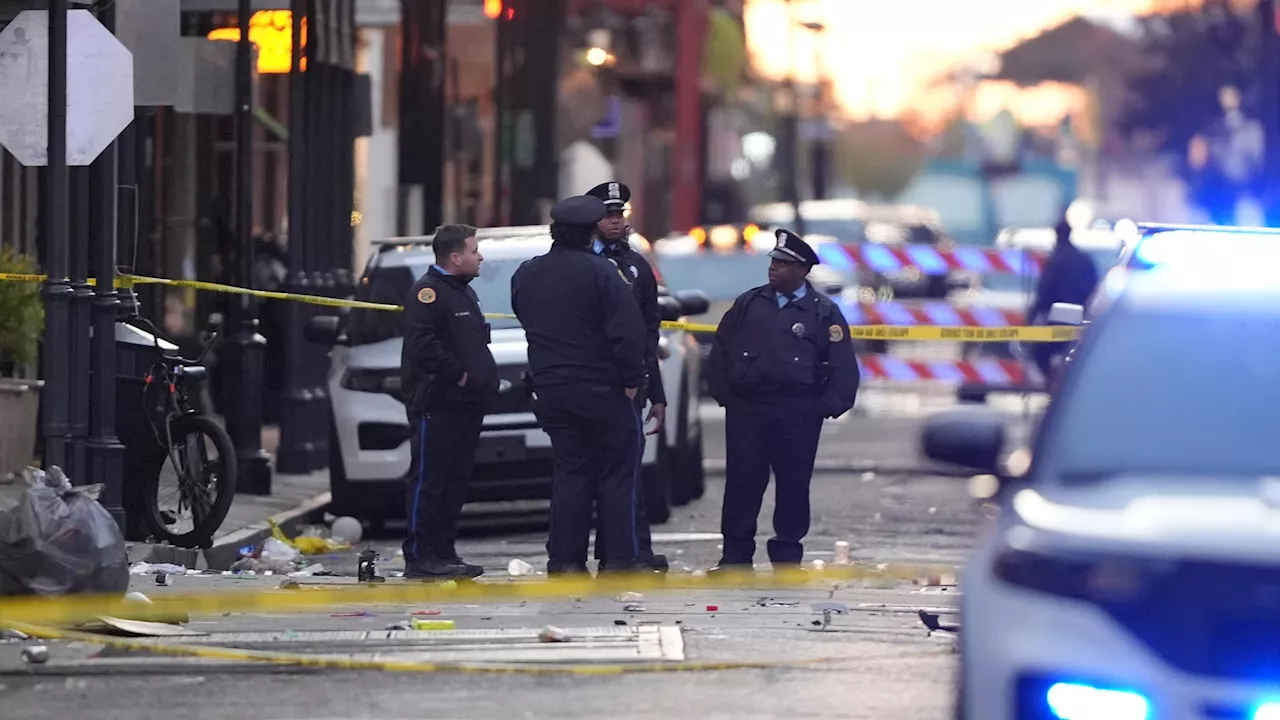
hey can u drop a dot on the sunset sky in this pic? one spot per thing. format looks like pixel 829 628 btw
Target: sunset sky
pixel 884 55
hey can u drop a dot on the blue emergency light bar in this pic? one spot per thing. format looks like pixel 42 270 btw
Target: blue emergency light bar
pixel 1204 245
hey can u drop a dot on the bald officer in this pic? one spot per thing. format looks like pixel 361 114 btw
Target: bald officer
pixel 781 363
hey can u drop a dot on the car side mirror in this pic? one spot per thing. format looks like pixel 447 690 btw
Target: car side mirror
pixel 669 308
pixel 693 302
pixel 322 330
pixel 1066 314
pixel 971 438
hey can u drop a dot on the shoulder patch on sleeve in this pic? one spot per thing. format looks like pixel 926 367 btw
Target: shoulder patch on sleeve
pixel 835 333
pixel 426 296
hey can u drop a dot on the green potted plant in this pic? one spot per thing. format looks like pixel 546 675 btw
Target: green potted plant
pixel 21 325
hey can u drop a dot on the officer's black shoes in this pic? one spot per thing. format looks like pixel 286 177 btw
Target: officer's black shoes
pixel 656 563
pixel 728 568
pixel 437 569
pixel 567 568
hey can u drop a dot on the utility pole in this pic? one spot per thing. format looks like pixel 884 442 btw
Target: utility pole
pixel 56 368
pixel 103 448
pixel 245 357
pixel 790 144
pixel 820 151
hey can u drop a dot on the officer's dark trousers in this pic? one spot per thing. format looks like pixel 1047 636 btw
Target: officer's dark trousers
pixel 443 446
pixel 596 438
pixel 779 434
pixel 644 537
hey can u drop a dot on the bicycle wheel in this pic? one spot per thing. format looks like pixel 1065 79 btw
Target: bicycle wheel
pixel 188 499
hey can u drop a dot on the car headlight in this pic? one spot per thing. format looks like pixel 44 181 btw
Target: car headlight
pixel 372 381
pixel 1102 578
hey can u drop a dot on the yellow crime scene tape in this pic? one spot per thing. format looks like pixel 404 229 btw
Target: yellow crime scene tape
pixel 67 611
pixel 918 333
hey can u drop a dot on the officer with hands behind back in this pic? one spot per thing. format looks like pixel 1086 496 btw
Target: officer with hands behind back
pixel 611 244
pixel 780 363
pixel 447 376
pixel 587 364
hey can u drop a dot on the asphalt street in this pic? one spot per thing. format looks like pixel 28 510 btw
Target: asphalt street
pixel 873 660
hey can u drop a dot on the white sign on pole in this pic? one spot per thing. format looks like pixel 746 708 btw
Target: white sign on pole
pixel 99 88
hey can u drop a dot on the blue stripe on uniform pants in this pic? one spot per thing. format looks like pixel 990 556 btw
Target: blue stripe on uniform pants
pixel 635 487
pixel 417 491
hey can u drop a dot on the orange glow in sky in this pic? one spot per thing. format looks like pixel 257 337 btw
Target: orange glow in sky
pixel 886 57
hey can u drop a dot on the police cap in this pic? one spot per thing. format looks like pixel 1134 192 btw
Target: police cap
pixel 791 248
pixel 615 195
pixel 579 211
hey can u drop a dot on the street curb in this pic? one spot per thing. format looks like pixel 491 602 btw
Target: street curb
pixel 225 550
pixel 717 466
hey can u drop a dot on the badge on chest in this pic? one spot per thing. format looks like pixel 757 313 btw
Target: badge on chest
pixel 798 329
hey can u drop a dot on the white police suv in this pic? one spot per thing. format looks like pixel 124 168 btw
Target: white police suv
pixel 1133 570
pixel 369 441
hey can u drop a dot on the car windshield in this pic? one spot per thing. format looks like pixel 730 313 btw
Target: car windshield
pixel 1172 393
pixel 392 283
pixel 1103 259
pixel 722 276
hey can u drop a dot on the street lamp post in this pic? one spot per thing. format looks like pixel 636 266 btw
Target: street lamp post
pixel 820 151
pixel 246 347
pixel 790 145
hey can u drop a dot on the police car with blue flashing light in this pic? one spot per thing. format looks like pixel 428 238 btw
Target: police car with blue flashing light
pixel 369 441
pixel 1132 571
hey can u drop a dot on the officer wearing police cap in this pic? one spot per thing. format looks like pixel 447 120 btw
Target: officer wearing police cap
pixel 781 363
pixel 611 243
pixel 587 363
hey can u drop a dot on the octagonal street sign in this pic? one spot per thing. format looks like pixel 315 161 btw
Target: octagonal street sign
pixel 99 87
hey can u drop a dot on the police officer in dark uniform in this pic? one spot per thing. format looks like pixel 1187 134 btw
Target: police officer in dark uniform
pixel 611 243
pixel 587 364
pixel 447 377
pixel 780 363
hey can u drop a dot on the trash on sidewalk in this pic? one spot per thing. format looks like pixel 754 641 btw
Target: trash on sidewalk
pixel 553 634
pixel 630 597
pixel 713 608
pixel 308 571
pixel 931 622
pixel 37 654
pixel 359 613
pixel 144 568
pixel 770 602
pixel 402 625
pixel 842 553
pixel 306 544
pixel 518 567
pixel 107 625
pixel 367 568
pixel 419 624
pixel 163 579
pixel 58 539
pixel 633 607
pixel 828 609
pixel 273 548
pixel 256 565
pixel 346 529
pixel 290 584
pixel 818 565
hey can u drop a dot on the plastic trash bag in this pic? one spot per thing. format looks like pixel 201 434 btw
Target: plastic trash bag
pixel 59 539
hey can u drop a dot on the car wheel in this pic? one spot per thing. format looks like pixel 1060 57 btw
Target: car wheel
pixel 657 485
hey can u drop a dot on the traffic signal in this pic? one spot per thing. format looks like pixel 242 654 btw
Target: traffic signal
pixel 492 9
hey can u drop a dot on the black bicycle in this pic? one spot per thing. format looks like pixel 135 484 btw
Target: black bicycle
pixel 186 501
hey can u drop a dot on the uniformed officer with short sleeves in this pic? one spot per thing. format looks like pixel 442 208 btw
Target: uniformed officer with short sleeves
pixel 587 363
pixel 781 363
pixel 611 244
